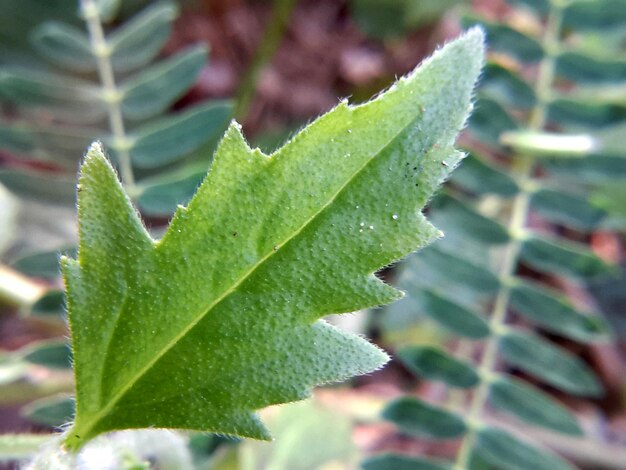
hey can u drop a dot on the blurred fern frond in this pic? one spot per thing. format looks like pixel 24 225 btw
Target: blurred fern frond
pixel 517 218
pixel 109 85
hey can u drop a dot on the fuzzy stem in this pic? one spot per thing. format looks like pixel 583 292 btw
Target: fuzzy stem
pixel 523 168
pixel 111 93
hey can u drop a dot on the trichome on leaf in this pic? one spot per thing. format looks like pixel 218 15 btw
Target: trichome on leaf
pixel 201 328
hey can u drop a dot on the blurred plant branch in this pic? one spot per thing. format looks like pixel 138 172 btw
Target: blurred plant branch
pixel 281 10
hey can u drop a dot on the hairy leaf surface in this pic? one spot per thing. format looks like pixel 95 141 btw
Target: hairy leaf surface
pixel 221 316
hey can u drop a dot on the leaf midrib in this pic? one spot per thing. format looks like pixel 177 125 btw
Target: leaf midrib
pixel 117 397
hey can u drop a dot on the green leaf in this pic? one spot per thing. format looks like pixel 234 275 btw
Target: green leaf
pixel 168 139
pixel 607 94
pixel 506 87
pixel 52 303
pixel 596 169
pixel 503 38
pixel 437 365
pixel 53 354
pixel 506 451
pixel 54 144
pixel 567 209
pixel 490 120
pixel 479 177
pixel 64 46
pixel 140 39
pixel 555 313
pixel 598 15
pixel 531 405
pixel 55 411
pixel 452 316
pixel 552 364
pixel 227 304
pixel 70 99
pixel 582 68
pixel 43 264
pixel 450 214
pixel 460 271
pixel 160 198
pixel 540 6
pixel 611 198
pixel 417 418
pixel 562 257
pixel 155 89
pixel 570 112
pixel 49 187
pixel 403 462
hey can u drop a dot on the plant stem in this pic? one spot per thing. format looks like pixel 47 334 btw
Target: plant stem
pixel 18 290
pixel 281 10
pixel 523 168
pixel 111 93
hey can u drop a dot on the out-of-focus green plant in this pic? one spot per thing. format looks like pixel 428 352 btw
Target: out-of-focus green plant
pixel 545 135
pixel 109 86
pixel 394 18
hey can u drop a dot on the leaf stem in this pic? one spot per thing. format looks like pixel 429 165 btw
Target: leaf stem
pixel 523 167
pixel 111 93
pixel 281 9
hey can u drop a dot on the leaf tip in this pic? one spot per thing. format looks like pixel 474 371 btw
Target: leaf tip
pixel 95 150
